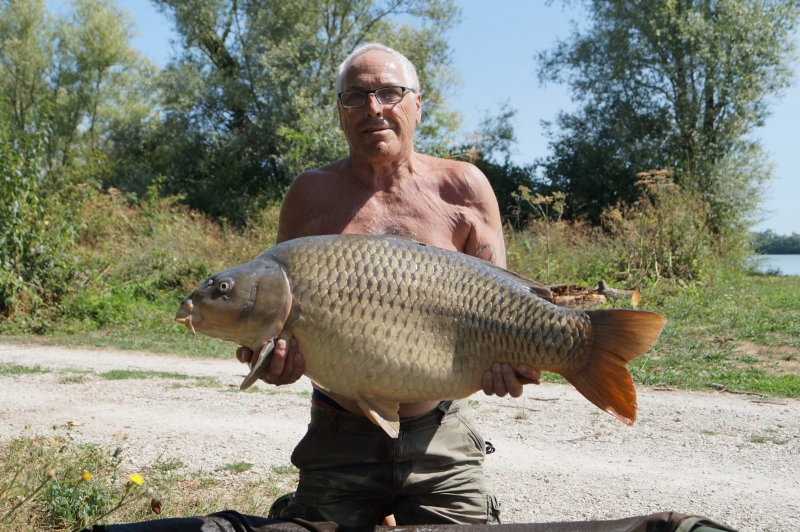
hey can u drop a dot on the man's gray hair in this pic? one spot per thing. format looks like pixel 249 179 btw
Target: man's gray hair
pixel 409 72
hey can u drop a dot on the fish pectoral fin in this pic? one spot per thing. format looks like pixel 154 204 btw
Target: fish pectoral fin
pixel 381 413
pixel 264 357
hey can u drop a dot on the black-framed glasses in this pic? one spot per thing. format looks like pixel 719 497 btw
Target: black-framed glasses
pixel 384 95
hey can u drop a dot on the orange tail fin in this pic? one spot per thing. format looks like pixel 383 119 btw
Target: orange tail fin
pixel 619 336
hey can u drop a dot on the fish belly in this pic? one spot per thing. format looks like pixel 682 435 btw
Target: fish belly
pixel 401 321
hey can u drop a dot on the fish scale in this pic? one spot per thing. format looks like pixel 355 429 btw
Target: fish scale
pixel 385 320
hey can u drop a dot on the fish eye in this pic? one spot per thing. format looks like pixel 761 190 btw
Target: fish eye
pixel 225 286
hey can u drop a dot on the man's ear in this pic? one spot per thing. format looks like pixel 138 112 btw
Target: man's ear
pixel 339 110
pixel 419 107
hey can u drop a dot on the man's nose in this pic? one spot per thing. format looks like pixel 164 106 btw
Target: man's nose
pixel 374 107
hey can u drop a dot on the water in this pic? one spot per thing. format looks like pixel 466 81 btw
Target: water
pixel 787 264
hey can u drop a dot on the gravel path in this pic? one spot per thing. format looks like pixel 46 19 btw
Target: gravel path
pixel 733 458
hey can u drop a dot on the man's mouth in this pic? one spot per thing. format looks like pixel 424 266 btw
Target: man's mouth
pixel 375 128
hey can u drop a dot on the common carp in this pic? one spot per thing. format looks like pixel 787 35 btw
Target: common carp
pixel 385 320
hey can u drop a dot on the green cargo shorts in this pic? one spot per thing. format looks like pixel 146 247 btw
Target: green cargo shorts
pixel 353 474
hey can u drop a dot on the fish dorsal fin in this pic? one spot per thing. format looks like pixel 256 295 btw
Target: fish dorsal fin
pixel 381 413
pixel 534 287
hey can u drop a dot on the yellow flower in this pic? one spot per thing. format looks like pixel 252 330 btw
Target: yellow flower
pixel 136 479
pixel 86 476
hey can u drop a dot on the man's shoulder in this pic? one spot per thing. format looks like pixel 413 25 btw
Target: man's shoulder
pixel 315 175
pixel 440 163
pixel 462 176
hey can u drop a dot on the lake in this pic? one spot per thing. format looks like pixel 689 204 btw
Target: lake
pixel 787 264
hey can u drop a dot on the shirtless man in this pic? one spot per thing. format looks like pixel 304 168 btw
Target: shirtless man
pixel 350 471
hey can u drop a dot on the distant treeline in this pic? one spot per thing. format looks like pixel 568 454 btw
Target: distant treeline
pixel 769 243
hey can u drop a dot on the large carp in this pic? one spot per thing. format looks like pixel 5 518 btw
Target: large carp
pixel 385 320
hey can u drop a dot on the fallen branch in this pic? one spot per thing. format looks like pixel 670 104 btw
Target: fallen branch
pixel 768 402
pixel 613 293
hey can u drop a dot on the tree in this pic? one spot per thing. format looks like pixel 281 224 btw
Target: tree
pixel 687 81
pixel 73 76
pixel 250 101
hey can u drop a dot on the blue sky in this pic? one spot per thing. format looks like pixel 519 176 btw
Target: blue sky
pixel 494 52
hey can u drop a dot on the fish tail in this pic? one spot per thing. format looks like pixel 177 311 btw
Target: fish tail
pixel 618 336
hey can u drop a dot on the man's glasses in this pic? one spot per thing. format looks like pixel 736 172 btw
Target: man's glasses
pixel 385 96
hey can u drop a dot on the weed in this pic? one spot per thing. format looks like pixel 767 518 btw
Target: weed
pixel 15 369
pixel 72 379
pixel 288 469
pixel 170 464
pixel 522 414
pixel 63 484
pixel 124 374
pixel 236 467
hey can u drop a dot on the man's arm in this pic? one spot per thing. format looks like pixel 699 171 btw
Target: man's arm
pixel 485 239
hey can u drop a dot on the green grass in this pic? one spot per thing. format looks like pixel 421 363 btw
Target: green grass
pixel 16 369
pixel 125 374
pixel 707 324
pixel 236 467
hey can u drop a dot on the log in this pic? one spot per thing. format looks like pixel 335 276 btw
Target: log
pixel 613 293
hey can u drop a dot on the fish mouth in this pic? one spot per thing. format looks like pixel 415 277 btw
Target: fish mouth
pixel 187 316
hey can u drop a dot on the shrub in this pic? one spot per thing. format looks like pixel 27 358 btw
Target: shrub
pixel 36 227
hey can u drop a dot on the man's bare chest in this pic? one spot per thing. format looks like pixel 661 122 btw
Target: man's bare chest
pixel 426 220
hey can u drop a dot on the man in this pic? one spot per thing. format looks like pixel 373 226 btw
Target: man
pixel 350 471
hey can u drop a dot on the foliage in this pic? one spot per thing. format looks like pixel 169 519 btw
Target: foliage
pixel 73 75
pixel 597 153
pixel 657 237
pixel 770 243
pixel 668 84
pixel 250 101
pixel 661 234
pixel 36 229
pixel 63 484
pixel 134 263
pixel 80 484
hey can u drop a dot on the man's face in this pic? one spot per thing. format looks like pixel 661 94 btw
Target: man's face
pixel 376 129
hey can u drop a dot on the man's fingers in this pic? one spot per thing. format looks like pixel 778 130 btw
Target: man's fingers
pixel 276 365
pixel 487 383
pixel 498 382
pixel 299 362
pixel 511 381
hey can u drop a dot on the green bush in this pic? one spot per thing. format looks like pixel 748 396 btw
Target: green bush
pixel 36 229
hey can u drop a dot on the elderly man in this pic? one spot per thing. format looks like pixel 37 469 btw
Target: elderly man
pixel 351 472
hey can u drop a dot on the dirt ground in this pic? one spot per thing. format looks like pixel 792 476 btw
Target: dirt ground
pixel 733 458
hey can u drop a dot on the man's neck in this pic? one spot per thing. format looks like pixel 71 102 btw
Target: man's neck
pixel 382 173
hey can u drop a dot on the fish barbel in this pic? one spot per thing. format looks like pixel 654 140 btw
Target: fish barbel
pixel 384 320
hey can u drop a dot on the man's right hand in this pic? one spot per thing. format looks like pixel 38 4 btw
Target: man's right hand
pixel 287 364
